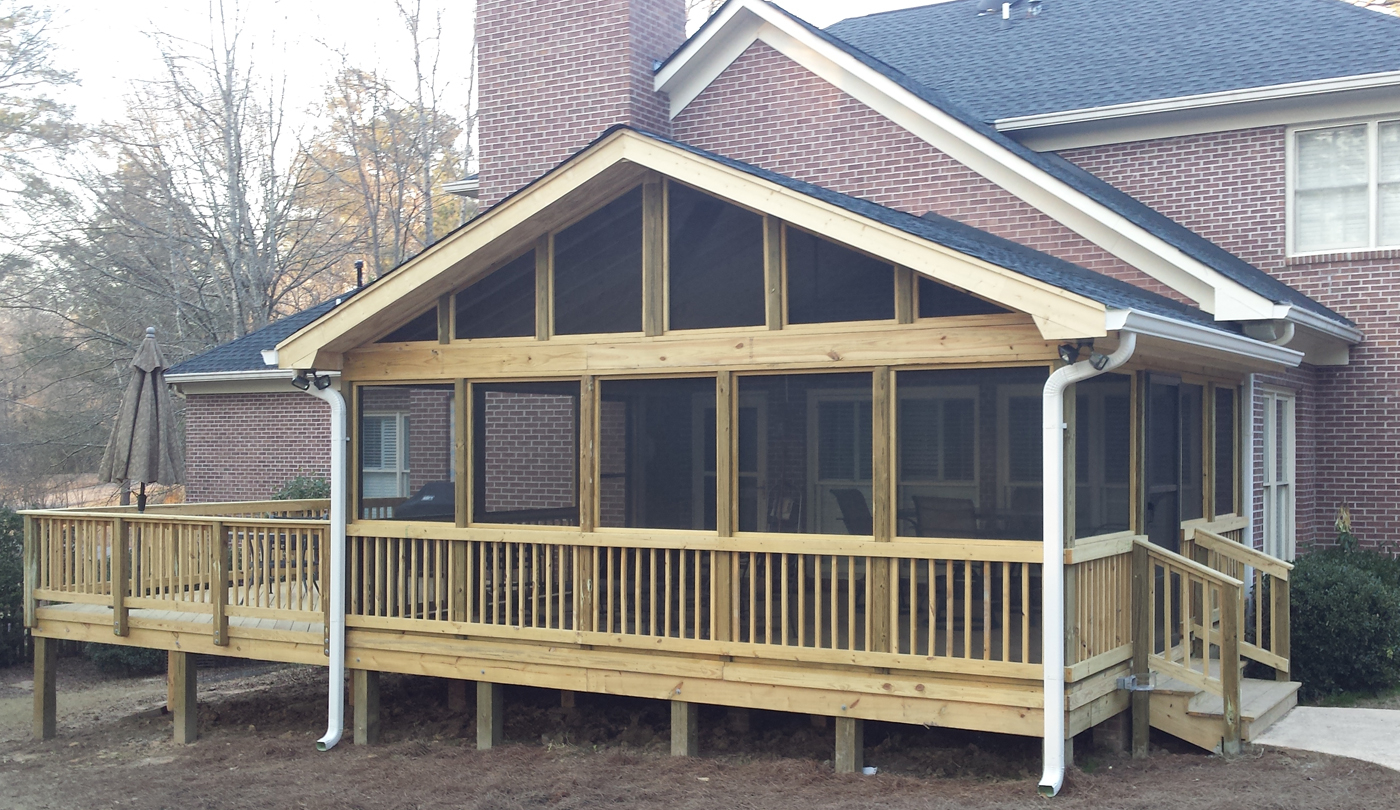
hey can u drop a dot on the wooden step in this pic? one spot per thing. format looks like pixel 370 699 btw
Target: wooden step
pixel 1198 717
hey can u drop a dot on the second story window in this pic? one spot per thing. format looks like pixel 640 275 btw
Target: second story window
pixel 1345 187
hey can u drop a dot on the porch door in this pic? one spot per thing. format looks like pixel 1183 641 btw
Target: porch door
pixel 1162 518
pixel 1278 525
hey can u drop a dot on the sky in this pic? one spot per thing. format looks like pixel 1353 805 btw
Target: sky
pixel 107 42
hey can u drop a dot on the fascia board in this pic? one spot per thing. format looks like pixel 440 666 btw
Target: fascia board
pixel 1092 220
pixel 1194 335
pixel 1302 317
pixel 412 282
pixel 1060 314
pixel 707 54
pixel 1296 102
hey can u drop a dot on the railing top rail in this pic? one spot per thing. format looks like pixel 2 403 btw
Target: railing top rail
pixel 1014 551
pixel 1241 553
pixel 204 509
pixel 153 517
pixel 1187 563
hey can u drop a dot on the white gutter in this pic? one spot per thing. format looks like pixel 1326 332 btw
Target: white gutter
pixel 1196 335
pixel 237 376
pixel 1199 101
pixel 335 710
pixel 1053 568
pixel 1318 323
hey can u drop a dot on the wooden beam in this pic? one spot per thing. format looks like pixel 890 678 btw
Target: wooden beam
pixel 850 744
pixel 1142 642
pixel 184 698
pixel 45 688
pixel 364 695
pixel 653 257
pixel 905 295
pixel 121 576
pixel 544 288
pixel 685 729
pixel 773 272
pixel 219 548
pixel 490 721
pixel 444 318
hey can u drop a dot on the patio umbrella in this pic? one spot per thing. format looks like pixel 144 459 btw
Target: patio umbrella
pixel 143 444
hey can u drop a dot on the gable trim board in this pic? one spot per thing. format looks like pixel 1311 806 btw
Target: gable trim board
pixel 1059 313
pixel 1315 101
pixel 741 22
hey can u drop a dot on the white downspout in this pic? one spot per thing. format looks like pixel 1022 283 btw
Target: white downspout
pixel 335 710
pixel 1053 574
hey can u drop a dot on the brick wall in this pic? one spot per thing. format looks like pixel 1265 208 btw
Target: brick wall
pixel 554 74
pixel 1229 187
pixel 243 447
pixel 767 110
pixel 531 456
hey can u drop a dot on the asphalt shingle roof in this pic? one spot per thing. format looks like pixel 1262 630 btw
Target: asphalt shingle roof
pixel 1078 54
pixel 245 353
pixel 1168 230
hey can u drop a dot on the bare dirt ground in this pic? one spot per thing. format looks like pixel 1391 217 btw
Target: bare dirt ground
pixel 258 724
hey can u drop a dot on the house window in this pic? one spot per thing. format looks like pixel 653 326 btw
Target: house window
pixel 1345 187
pixel 383 470
pixel 1278 474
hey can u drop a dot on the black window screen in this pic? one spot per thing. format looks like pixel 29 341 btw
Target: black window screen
pixel 500 305
pixel 1225 444
pixel 656 453
pixel 525 439
pixel 424 327
pixel 1192 452
pixel 406 438
pixel 1102 455
pixel 716 262
pixel 827 283
pixel 969 453
pixel 598 270
pixel 941 301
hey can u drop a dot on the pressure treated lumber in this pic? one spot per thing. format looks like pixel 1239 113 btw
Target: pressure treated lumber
pixel 364 694
pixel 184 705
pixel 685 729
pixel 850 744
pixel 45 688
pixel 490 719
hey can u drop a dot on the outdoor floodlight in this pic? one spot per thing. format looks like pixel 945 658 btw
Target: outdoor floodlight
pixel 1069 353
pixel 300 381
pixel 323 381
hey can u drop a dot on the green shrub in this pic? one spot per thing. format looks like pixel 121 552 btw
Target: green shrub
pixel 116 659
pixel 12 632
pixel 303 487
pixel 1345 622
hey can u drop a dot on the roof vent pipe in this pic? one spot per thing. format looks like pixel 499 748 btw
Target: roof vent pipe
pixel 1053 565
pixel 359 273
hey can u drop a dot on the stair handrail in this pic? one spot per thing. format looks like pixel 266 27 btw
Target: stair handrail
pixel 1277 606
pixel 1193 591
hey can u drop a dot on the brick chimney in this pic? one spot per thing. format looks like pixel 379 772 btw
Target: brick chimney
pixel 554 74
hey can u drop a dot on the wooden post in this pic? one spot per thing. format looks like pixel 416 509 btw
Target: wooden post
pixel 220 549
pixel 587 499
pixel 444 317
pixel 1281 629
pixel 120 576
pixel 1231 606
pixel 45 688
pixel 544 292
pixel 462 456
pixel 364 696
pixel 653 258
pixel 456 696
pixel 685 729
pixel 1142 645
pixel 773 272
pixel 905 282
pixel 727 608
pixel 184 698
pixel 850 744
pixel 884 524
pixel 31 572
pixel 489 719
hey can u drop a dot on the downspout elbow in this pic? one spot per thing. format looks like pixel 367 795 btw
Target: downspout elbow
pixel 335 710
pixel 1053 561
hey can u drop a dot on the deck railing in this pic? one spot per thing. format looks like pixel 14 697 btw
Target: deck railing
pixel 222 567
pixel 969 606
pixel 1264 614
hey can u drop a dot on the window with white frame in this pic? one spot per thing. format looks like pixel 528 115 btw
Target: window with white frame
pixel 1345 187
pixel 1277 483
pixel 383 455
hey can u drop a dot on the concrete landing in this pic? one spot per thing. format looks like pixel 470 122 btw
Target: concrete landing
pixel 1372 735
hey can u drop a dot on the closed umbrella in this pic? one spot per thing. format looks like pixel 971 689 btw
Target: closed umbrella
pixel 143 445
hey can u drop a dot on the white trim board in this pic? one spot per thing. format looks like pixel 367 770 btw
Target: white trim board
pixel 703 58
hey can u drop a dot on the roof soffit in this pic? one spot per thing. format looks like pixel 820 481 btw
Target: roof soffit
pixel 742 22
pixel 623 159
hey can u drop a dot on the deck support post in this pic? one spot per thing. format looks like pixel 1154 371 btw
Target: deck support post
pixel 364 697
pixel 45 688
pixel 1069 751
pixel 850 744
pixel 685 729
pixel 456 696
pixel 490 705
pixel 1142 639
pixel 184 698
pixel 568 699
